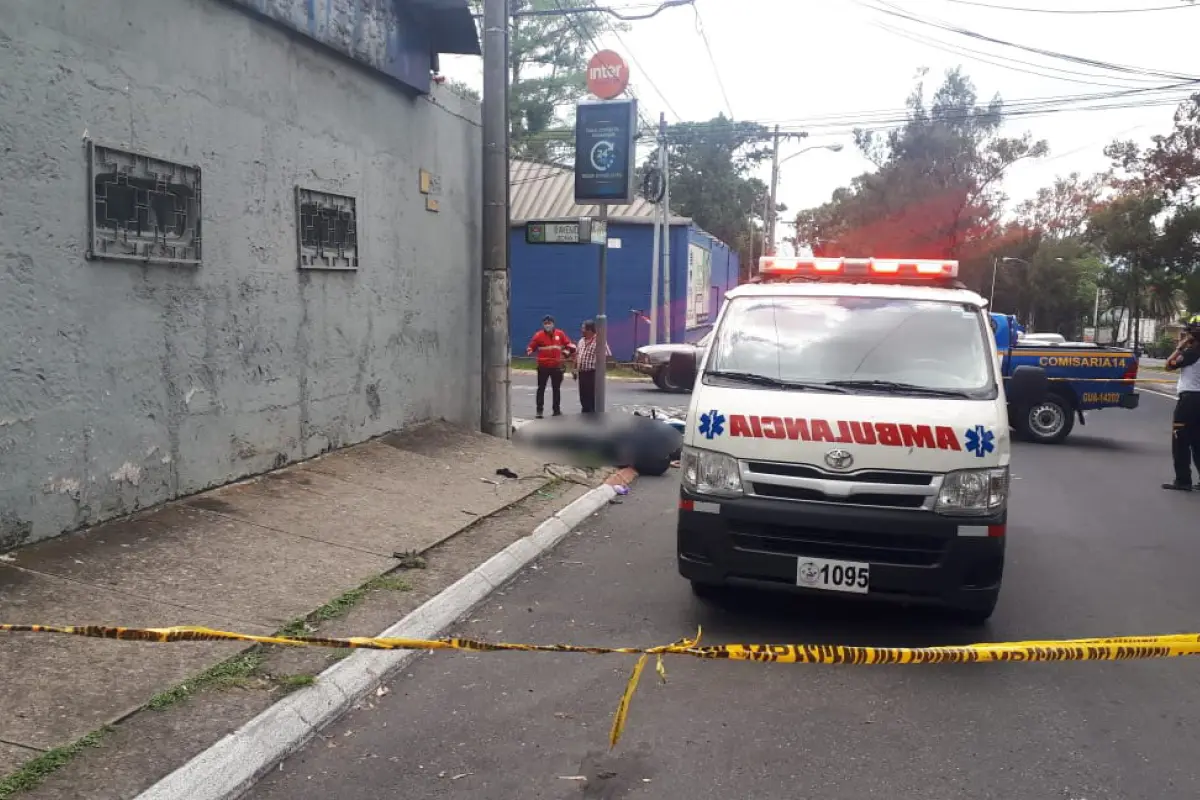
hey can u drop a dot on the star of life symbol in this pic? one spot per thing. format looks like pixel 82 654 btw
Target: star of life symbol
pixel 712 424
pixel 980 441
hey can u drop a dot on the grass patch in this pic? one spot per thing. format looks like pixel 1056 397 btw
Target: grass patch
pixel 341 605
pixel 32 774
pixel 290 683
pixel 236 672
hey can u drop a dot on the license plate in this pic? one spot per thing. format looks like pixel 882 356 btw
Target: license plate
pixel 833 576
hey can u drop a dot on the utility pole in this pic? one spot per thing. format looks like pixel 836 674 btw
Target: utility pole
pixel 655 260
pixel 769 246
pixel 495 406
pixel 666 217
pixel 602 316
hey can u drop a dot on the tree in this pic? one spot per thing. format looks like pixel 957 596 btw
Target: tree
pixel 547 66
pixel 1062 210
pixel 710 164
pixel 935 192
pixel 1171 164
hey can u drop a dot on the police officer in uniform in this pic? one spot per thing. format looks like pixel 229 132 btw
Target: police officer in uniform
pixel 1185 433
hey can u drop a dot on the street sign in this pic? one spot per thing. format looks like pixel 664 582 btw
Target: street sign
pixel 604 151
pixel 599 231
pixel 607 75
pixel 582 231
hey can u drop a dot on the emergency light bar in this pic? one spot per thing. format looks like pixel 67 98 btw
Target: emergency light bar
pixel 928 269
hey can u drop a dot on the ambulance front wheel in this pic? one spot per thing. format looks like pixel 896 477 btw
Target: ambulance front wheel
pixel 710 592
pixel 1048 421
pixel 976 616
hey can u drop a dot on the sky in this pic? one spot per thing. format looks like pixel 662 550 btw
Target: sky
pixel 827 65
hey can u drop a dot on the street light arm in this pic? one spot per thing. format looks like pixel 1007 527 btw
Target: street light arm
pixel 835 148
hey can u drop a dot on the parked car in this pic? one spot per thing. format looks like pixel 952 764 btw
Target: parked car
pixel 653 360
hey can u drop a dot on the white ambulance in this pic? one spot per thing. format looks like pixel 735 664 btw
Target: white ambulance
pixel 848 433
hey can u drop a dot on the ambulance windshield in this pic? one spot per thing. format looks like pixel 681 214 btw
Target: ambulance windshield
pixel 856 343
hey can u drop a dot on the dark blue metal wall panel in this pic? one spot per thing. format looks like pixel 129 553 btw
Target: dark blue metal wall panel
pixel 562 280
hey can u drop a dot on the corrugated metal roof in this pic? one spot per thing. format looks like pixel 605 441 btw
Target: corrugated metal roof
pixel 547 191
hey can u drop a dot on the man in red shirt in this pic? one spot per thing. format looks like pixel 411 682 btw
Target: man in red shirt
pixel 552 347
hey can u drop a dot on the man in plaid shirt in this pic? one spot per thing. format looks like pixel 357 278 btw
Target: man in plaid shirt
pixel 585 366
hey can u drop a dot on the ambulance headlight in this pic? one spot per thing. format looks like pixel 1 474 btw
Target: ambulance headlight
pixel 973 491
pixel 706 472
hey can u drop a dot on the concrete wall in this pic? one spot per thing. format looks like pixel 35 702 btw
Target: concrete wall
pixel 123 385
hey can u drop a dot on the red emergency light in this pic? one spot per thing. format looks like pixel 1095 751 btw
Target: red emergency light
pixel 881 268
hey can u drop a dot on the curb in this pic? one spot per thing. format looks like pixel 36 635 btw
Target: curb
pixel 233 765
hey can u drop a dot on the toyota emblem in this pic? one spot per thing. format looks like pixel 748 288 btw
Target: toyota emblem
pixel 839 459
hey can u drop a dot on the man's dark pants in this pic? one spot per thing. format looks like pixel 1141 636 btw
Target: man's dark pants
pixel 1185 438
pixel 587 390
pixel 555 376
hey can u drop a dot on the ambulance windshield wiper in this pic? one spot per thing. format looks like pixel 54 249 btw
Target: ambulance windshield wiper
pixel 895 387
pixel 774 383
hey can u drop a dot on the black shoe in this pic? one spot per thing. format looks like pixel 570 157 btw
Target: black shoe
pixel 1178 487
pixel 539 415
pixel 557 413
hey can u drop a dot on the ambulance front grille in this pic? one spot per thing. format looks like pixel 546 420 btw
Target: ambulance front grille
pixel 808 483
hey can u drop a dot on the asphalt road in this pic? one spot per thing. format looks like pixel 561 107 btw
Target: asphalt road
pixel 621 395
pixel 1096 549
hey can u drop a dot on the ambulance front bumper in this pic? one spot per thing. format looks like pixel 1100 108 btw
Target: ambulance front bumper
pixel 911 556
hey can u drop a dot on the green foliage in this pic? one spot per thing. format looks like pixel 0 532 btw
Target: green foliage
pixel 1170 166
pixel 935 191
pixel 1130 235
pixel 547 70
pixel 710 165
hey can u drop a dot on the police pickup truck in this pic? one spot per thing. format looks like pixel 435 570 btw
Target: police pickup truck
pixel 848 433
pixel 1081 377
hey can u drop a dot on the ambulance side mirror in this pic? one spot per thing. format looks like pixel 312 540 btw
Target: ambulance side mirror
pixel 1027 385
pixel 682 370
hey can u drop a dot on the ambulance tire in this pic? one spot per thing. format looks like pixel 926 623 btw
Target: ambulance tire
pixel 710 592
pixel 975 617
pixel 1048 421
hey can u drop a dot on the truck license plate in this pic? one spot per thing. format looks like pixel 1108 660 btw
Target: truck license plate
pixel 833 576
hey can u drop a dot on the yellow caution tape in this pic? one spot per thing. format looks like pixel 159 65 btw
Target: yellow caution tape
pixel 1121 648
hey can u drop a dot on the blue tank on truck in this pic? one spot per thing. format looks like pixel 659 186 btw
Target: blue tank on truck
pixel 1081 377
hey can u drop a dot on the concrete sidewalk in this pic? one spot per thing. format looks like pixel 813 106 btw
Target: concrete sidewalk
pixel 255 556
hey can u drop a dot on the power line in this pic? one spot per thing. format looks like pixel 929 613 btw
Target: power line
pixel 893 10
pixel 712 60
pixel 585 35
pixel 658 9
pixel 829 127
pixel 642 71
pixel 1176 7
pixel 975 55
pixel 1178 92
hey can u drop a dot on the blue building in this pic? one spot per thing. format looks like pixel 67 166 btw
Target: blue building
pixel 563 280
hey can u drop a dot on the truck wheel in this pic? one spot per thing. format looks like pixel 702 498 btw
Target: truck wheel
pixel 1048 421
pixel 667 385
pixel 660 378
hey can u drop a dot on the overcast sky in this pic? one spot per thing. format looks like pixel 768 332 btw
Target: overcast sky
pixel 825 64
